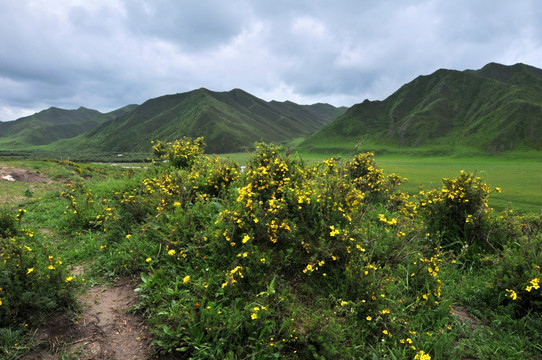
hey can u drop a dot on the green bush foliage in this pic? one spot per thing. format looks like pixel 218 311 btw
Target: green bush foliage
pixel 246 255
pixel 457 215
pixel 8 221
pixel 33 282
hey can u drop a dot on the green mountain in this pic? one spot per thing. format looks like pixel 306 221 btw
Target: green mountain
pixel 51 125
pixel 229 121
pixel 496 108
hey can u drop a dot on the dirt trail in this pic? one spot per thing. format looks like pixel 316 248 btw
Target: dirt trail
pixel 105 329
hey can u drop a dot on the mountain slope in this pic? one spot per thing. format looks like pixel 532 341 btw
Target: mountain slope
pixel 52 124
pixel 496 108
pixel 229 121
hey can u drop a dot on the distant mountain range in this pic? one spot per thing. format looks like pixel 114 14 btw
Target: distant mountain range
pixel 52 124
pixel 497 108
pixel 229 121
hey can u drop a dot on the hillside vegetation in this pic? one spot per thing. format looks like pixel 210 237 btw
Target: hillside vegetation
pixel 50 125
pixel 229 121
pixel 497 108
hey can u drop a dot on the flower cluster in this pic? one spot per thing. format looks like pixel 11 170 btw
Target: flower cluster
pixel 179 153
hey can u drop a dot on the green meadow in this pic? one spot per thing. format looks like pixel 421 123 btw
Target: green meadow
pixel 520 180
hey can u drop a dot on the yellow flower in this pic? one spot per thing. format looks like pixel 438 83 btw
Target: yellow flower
pixel 344 303
pixel 128 236
pixel 422 356
pixel 245 239
pixel 254 316
pixel 0 302
pixel 176 203
pixel 171 252
pixel 51 267
pixel 29 270
pixel 535 284
pixel 69 278
pixel 512 294
pixel 369 318
pixel 148 259
pixel 186 279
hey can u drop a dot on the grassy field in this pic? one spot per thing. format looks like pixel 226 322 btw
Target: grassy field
pixel 520 180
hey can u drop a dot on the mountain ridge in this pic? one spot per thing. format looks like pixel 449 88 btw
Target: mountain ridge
pixel 229 121
pixel 492 109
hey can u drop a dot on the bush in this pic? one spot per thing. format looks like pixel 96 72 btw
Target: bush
pixel 517 274
pixel 282 259
pixel 8 226
pixel 457 216
pixel 180 153
pixel 32 283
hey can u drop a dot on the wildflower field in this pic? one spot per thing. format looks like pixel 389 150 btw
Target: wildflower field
pixel 280 259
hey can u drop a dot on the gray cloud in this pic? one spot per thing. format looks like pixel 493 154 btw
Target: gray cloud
pixel 104 54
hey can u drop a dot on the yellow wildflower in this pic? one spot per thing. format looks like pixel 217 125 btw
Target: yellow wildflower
pixel 186 279
pixel 422 356
pixel 512 294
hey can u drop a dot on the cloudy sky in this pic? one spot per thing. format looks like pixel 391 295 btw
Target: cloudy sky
pixel 104 54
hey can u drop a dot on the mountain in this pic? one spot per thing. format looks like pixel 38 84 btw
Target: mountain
pixel 229 121
pixel 52 124
pixel 496 108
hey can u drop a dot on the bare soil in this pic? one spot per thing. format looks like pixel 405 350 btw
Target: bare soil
pixel 13 174
pixel 104 330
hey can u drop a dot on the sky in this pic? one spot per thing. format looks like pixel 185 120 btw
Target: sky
pixel 105 54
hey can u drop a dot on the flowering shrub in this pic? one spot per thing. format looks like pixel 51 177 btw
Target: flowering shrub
pixel 457 214
pixel 180 153
pixel 245 241
pixel 31 281
pixel 8 224
pixel 517 271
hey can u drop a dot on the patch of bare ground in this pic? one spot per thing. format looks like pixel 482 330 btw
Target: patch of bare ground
pixel 13 174
pixel 104 330
pixel 464 316
pixel 12 180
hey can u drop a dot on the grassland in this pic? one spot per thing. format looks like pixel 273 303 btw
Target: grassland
pixel 520 180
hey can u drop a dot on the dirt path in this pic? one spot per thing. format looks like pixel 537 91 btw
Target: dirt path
pixel 105 329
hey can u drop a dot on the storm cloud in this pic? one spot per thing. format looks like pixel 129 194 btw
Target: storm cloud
pixel 104 54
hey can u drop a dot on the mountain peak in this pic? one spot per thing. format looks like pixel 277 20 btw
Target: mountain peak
pixel 496 108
